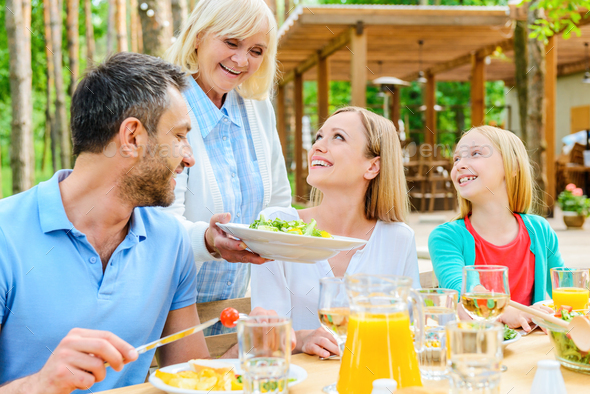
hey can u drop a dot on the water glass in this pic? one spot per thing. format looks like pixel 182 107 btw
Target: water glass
pixel 440 308
pixel 265 352
pixel 570 287
pixel 475 351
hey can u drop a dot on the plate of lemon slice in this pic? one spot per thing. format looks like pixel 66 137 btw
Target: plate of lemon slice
pixel 208 376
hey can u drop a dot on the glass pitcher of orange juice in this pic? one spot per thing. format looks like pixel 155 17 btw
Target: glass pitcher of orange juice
pixel 380 343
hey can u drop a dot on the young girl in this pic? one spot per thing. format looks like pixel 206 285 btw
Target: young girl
pixel 493 178
pixel 359 190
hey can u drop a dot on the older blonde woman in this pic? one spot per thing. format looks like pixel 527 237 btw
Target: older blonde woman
pixel 228 49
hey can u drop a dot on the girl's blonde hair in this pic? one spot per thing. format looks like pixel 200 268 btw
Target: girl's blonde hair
pixel 518 171
pixel 386 197
pixel 237 19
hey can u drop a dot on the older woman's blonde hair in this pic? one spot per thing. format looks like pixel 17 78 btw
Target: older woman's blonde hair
pixel 237 19
pixel 386 197
pixel 518 171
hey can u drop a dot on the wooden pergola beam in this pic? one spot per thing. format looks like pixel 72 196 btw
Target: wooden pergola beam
pixel 299 179
pixel 430 132
pixel 281 119
pixel 465 59
pixel 571 68
pixel 336 44
pixel 550 104
pixel 405 16
pixel 395 106
pixel 478 90
pixel 323 89
pixel 358 66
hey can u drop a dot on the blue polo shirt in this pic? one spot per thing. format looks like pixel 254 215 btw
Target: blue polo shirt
pixel 51 280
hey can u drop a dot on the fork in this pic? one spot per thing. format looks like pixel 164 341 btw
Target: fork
pixel 524 333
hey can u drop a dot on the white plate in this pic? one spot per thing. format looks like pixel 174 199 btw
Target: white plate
pixel 290 247
pixel 295 372
pixel 508 342
pixel 548 303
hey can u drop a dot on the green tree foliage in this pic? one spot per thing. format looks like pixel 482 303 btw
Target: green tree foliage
pixel 39 62
pixel 561 16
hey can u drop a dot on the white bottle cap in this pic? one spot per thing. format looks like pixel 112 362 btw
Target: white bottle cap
pixel 389 384
pixel 548 364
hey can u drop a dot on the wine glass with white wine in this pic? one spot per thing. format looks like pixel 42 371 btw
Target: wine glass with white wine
pixel 333 311
pixel 485 293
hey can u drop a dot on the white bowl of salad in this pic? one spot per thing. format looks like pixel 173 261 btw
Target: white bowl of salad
pixel 566 351
pixel 291 241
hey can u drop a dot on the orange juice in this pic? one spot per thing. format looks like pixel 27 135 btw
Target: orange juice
pixel 378 346
pixel 576 297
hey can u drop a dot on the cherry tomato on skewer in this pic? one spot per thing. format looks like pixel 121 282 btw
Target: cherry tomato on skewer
pixel 229 317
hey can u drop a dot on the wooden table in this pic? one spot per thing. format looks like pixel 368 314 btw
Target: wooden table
pixel 520 357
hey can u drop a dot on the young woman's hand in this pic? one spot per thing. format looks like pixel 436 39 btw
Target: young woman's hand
pixel 316 342
pixel 515 318
pixel 258 311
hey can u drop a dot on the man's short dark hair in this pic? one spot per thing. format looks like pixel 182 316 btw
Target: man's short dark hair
pixel 126 85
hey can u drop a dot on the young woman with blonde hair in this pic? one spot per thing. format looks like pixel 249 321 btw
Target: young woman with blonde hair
pixel 228 50
pixel 495 189
pixel 357 174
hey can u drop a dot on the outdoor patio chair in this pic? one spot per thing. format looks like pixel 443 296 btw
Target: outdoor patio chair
pixel 570 169
pixel 440 184
pixel 416 179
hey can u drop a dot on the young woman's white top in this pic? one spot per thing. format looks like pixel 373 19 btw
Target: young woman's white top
pixel 292 289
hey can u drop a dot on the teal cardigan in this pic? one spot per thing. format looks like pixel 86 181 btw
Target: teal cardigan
pixel 452 247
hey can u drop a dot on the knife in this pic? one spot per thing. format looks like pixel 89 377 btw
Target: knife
pixel 173 337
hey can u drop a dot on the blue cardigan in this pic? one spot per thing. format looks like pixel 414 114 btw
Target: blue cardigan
pixel 452 247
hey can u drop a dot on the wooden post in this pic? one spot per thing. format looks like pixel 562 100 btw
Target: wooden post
pixel 550 85
pixel 121 22
pixel 73 34
pixel 287 9
pixel 430 132
pixel 299 186
pixel 89 33
pixel 133 24
pixel 478 89
pixel 272 4
pixel 395 106
pixel 323 90
pixel 281 121
pixel 358 65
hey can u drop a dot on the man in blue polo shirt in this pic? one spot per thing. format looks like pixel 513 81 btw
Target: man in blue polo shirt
pixel 88 270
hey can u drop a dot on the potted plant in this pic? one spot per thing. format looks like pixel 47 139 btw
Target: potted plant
pixel 575 206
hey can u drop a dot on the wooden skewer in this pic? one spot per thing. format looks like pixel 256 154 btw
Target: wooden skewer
pixel 578 329
pixel 541 315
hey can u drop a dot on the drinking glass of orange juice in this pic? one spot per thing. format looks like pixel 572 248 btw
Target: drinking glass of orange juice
pixel 570 287
pixel 380 343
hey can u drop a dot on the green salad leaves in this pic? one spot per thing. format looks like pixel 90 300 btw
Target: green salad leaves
pixel 564 346
pixel 509 333
pixel 298 227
